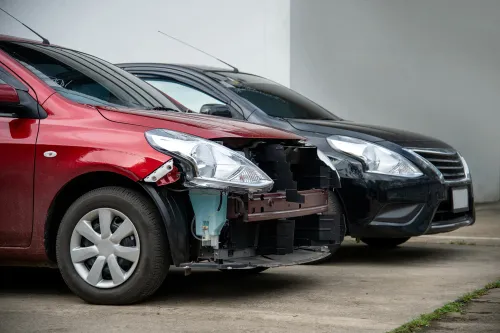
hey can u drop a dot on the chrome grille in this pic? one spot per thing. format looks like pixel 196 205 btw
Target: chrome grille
pixel 448 162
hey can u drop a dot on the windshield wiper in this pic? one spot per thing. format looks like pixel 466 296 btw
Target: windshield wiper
pixel 161 108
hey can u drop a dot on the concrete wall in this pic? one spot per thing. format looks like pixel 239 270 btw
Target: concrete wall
pixel 427 66
pixel 251 34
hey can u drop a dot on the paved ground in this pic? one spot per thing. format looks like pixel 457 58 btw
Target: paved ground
pixel 481 316
pixel 361 291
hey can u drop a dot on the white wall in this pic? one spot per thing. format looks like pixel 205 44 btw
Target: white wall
pixel 251 34
pixel 427 66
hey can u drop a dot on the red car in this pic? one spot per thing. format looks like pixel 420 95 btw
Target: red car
pixel 102 179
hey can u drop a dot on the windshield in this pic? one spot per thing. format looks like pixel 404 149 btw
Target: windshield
pixel 272 98
pixel 85 79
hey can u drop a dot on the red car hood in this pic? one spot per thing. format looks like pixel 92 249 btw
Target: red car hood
pixel 204 126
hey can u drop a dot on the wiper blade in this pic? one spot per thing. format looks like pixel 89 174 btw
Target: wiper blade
pixel 162 108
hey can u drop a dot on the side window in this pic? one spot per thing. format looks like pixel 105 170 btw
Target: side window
pixel 190 97
pixel 67 80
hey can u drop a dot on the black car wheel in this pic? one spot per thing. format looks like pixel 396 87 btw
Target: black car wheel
pixel 112 247
pixel 384 243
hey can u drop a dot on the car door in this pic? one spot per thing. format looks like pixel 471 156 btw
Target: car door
pixel 190 93
pixel 17 165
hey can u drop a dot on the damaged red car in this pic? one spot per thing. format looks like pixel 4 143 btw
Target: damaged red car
pixel 102 177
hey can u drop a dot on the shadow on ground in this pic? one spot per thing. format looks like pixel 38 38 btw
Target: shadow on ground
pixel 355 254
pixel 209 284
pixel 206 284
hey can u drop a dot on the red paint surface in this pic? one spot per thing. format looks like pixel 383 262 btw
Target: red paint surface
pixel 171 177
pixel 17 149
pixel 205 126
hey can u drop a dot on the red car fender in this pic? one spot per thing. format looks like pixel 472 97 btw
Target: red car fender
pixel 86 144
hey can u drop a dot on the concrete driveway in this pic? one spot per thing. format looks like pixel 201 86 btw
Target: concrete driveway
pixel 360 291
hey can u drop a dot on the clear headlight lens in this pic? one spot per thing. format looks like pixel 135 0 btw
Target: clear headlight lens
pixel 376 158
pixel 210 164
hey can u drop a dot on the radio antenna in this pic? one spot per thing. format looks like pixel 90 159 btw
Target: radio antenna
pixel 197 49
pixel 44 40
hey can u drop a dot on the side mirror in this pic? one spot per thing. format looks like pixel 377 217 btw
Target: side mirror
pixel 9 101
pixel 8 96
pixel 16 102
pixel 220 110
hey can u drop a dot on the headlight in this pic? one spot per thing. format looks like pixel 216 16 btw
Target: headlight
pixel 209 164
pixel 376 158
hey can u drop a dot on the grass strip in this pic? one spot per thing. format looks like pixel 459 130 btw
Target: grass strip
pixel 425 319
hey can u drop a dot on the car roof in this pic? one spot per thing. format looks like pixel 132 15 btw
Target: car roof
pixel 197 68
pixel 14 39
pixel 9 38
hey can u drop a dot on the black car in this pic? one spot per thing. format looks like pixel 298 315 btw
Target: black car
pixel 395 184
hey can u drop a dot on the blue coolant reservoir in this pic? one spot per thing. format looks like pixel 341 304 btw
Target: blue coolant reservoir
pixel 210 209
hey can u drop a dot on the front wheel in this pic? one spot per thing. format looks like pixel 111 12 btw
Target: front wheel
pixel 112 247
pixel 384 243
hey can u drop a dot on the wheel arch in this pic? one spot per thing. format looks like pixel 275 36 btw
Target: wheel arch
pixel 74 189
pixel 338 194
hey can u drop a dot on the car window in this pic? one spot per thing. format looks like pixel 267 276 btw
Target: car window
pixel 63 78
pixel 272 98
pixel 188 96
pixel 85 79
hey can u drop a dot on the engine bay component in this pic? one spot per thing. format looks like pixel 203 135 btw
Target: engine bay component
pixel 210 210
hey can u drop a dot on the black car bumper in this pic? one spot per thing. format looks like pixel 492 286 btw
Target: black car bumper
pixel 389 208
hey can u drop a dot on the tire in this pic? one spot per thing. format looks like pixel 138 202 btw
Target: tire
pixel 384 243
pixel 245 271
pixel 150 262
pixel 334 209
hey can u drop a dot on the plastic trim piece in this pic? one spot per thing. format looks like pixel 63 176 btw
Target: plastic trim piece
pixel 161 172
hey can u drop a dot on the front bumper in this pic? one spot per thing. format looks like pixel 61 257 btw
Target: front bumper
pixel 384 206
pixel 406 208
pixel 445 220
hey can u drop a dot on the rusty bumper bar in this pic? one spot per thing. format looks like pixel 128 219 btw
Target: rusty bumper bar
pixel 271 206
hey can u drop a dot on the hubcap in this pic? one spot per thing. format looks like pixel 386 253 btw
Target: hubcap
pixel 105 248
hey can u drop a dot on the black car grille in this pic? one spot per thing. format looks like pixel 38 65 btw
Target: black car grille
pixel 448 162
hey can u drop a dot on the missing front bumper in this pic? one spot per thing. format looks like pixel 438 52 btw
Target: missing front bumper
pixel 241 230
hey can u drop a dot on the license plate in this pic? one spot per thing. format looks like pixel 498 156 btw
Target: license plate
pixel 460 198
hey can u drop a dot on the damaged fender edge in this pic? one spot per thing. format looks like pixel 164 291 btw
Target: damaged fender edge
pixel 171 214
